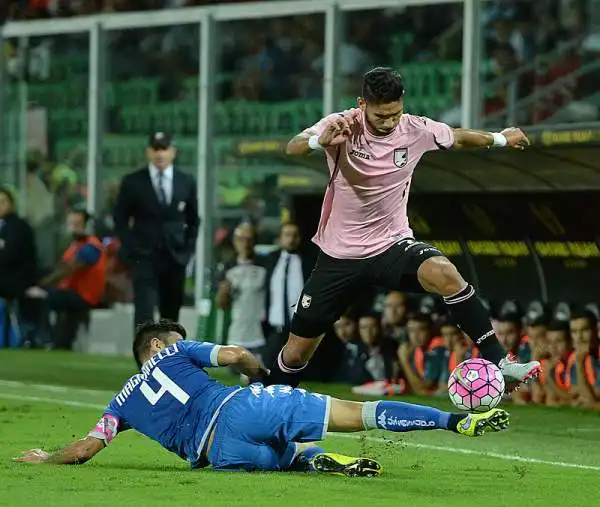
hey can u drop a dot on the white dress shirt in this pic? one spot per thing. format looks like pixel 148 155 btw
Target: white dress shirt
pixel 295 284
pixel 167 181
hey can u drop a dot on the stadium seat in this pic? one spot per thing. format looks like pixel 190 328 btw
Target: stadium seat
pixel 562 311
pixel 534 310
pixel 511 306
pixel 593 307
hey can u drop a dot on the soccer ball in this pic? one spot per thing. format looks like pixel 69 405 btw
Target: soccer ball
pixel 476 385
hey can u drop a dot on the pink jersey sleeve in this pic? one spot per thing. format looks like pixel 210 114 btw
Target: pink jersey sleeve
pixel 319 127
pixel 440 135
pixel 106 429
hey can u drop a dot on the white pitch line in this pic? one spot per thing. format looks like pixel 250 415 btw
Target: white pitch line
pixel 430 447
pixel 462 450
pixel 55 401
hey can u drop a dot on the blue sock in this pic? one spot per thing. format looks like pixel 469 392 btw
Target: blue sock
pixel 398 416
pixel 301 462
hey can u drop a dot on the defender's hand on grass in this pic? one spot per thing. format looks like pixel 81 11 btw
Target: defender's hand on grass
pixel 32 456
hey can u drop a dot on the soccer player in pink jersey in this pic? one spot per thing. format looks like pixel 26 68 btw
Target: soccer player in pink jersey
pixel 364 235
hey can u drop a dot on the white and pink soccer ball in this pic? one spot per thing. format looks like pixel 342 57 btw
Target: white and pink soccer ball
pixel 476 385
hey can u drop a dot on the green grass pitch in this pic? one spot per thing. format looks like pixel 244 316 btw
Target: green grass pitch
pixel 549 457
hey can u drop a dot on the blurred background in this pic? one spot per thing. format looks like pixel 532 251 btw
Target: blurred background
pixel 83 84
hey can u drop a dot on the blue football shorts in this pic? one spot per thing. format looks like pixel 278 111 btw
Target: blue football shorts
pixel 257 427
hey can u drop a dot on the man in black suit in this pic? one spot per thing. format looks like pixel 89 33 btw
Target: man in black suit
pixel 156 220
pixel 287 271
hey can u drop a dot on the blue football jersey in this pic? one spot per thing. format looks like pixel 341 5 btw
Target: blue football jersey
pixel 172 400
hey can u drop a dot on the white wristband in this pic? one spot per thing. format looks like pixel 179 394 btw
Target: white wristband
pixel 499 140
pixel 313 143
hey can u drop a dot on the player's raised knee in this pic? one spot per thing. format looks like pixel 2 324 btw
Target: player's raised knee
pixel 440 276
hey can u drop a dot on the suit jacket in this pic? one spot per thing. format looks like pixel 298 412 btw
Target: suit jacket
pixel 18 257
pixel 271 262
pixel 143 225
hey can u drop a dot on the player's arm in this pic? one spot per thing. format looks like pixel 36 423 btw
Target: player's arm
pixel 208 355
pixel 332 130
pixel 510 137
pixel 76 453
pixel 244 361
pixel 82 450
pixel 87 256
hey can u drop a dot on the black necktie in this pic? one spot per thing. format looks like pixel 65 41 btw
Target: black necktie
pixel 286 303
pixel 162 195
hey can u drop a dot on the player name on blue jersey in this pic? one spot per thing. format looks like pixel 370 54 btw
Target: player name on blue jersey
pixel 146 370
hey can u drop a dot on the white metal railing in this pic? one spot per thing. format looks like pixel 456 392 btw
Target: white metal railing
pixel 207 18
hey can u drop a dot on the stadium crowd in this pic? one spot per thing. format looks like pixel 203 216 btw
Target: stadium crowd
pixel 529 47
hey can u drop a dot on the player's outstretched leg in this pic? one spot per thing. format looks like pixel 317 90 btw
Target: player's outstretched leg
pixel 308 457
pixel 439 276
pixel 397 416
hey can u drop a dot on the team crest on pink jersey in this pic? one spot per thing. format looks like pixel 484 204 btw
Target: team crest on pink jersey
pixel 400 157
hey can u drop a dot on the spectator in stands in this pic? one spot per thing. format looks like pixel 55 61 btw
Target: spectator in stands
pixel 242 289
pixel 554 381
pixel 584 367
pixel 77 284
pixel 18 265
pixel 460 347
pixel 423 357
pixel 537 339
pixel 369 330
pixel 380 353
pixel 288 268
pixel 509 331
pixel 394 316
pixel 40 212
pixel 352 368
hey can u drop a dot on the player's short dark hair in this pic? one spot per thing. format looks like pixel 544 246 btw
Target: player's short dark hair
pixel 153 329
pixel 382 85
pixel 421 317
pixel 511 317
pixel 558 325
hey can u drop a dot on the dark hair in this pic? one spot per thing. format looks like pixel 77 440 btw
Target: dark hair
pixel 382 85
pixel 540 320
pixel 80 209
pixel 511 317
pixel 152 329
pixel 447 320
pixel 421 317
pixel 6 191
pixel 585 314
pixel 286 224
pixel 371 315
pixel 558 325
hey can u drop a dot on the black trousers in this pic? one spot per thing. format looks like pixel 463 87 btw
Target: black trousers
pixel 158 282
